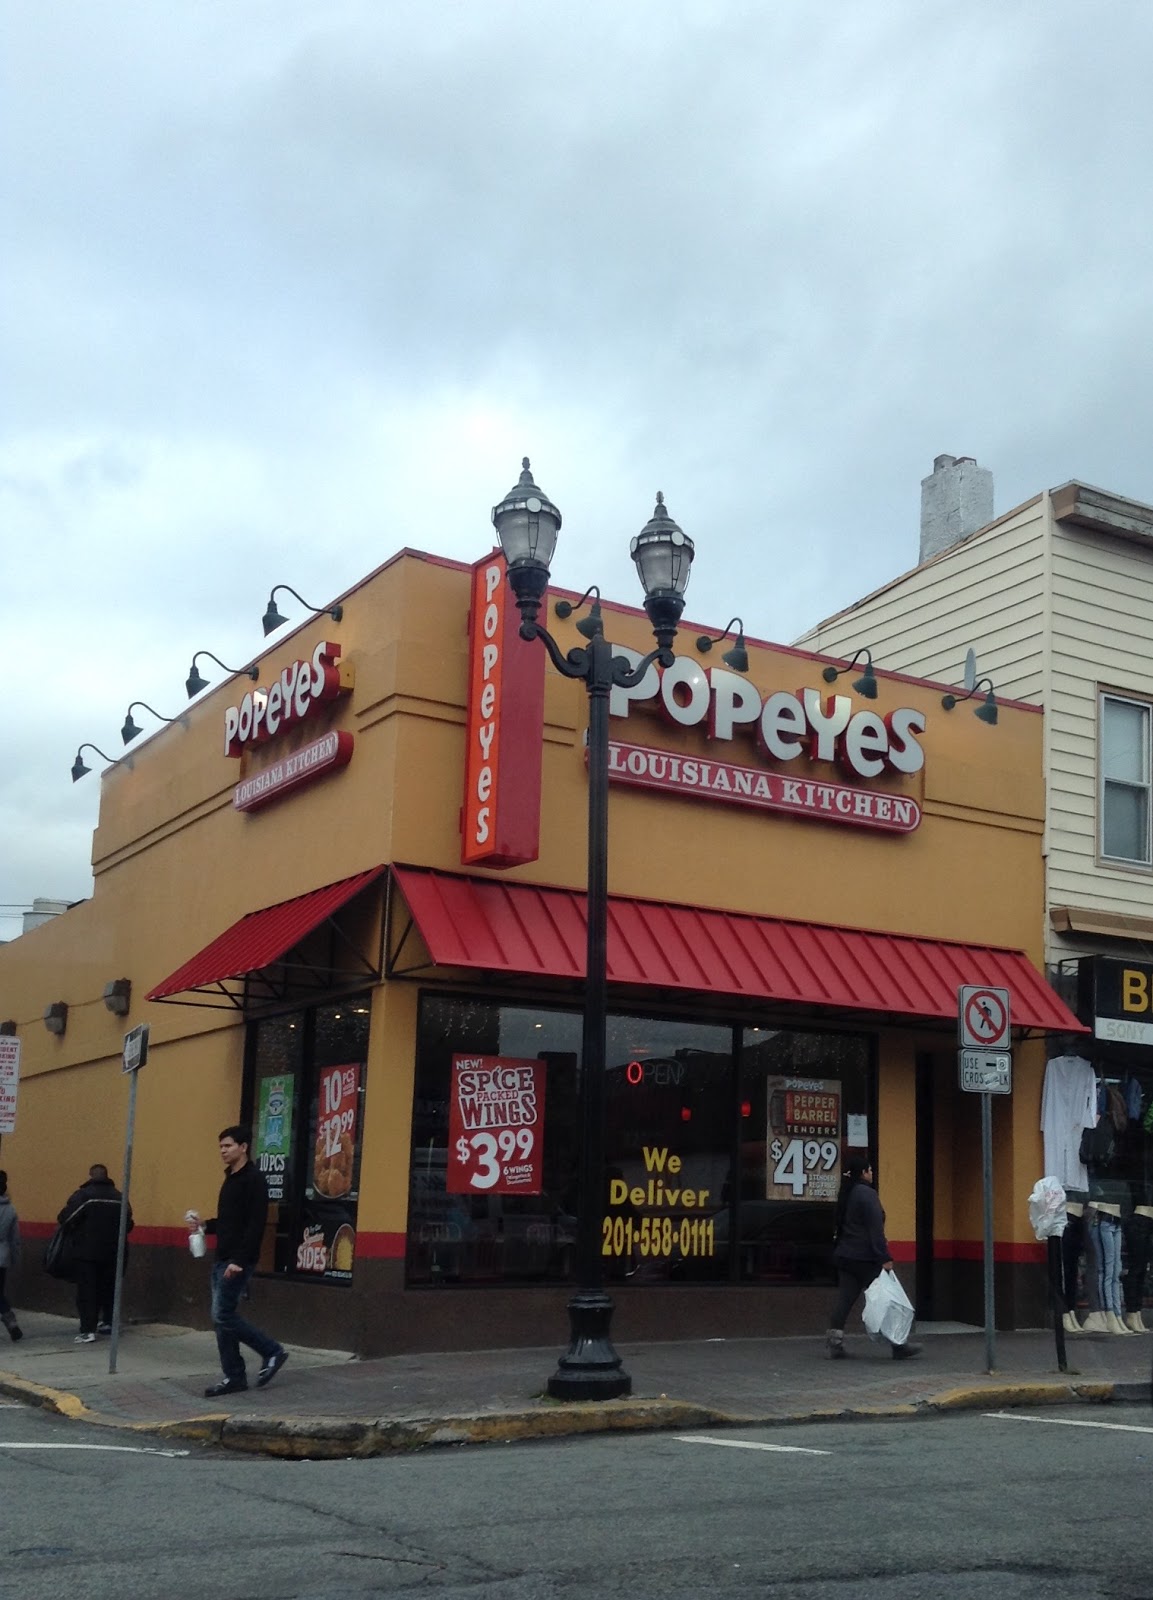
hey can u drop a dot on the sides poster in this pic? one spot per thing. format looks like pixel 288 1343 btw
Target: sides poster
pixel 803 1156
pixel 495 1126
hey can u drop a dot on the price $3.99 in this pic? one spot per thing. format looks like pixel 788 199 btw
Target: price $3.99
pixel 489 1150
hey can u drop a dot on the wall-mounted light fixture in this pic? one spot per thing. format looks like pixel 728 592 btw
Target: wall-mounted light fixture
pixel 272 618
pixel 738 656
pixel 130 731
pixel 79 768
pixel 8 1029
pixel 588 626
pixel 196 681
pixel 866 684
pixel 118 996
pixel 985 712
pixel 56 1017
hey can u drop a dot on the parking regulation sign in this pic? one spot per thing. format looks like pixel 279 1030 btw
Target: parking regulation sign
pixel 983 1017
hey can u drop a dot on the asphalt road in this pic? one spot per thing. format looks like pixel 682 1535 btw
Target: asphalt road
pixel 1042 1503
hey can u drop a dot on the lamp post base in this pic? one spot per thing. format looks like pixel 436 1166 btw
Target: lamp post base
pixel 590 1369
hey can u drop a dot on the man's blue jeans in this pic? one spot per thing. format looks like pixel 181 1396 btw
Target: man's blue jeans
pixel 231 1330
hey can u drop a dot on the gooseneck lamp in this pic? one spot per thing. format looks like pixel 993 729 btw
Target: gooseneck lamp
pixel 130 731
pixel 738 656
pixel 196 680
pixel 985 712
pixel 527 524
pixel 866 684
pixel 79 767
pixel 272 618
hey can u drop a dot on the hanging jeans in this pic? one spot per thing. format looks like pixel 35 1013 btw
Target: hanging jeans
pixel 1138 1249
pixel 1105 1234
pixel 1092 1277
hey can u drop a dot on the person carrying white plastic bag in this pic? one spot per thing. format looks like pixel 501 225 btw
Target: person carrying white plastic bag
pixel 861 1255
pixel 888 1312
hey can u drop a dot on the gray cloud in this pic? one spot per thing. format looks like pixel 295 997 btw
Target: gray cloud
pixel 271 271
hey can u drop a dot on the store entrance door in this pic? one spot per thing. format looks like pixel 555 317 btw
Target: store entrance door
pixel 924 1288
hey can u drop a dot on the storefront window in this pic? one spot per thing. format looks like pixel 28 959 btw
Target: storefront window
pixel 308 1071
pixel 805 1104
pixel 711 1134
pixel 466 1226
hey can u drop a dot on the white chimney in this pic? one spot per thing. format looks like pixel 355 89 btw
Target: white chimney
pixel 956 500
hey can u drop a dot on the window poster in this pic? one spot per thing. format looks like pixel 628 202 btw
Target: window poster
pixel 274 1133
pixel 803 1156
pixel 496 1126
pixel 326 1246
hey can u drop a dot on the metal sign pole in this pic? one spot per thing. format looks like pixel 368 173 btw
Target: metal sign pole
pixel 122 1242
pixel 987 1182
pixel 135 1055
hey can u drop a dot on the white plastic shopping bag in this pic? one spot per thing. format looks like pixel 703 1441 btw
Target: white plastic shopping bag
pixel 1047 1210
pixel 888 1309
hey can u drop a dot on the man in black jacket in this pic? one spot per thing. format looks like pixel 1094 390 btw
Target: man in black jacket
pixel 92 1217
pixel 241 1213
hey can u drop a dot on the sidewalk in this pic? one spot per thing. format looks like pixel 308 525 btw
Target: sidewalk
pixel 327 1403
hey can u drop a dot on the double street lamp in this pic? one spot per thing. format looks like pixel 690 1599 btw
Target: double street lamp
pixel 527 524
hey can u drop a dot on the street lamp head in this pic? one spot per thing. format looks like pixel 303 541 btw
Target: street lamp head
pixel 527 523
pixel 663 553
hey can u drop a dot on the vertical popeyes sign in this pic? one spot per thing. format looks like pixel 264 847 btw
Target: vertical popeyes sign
pixel 500 818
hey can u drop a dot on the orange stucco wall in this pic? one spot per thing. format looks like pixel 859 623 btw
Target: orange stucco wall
pixel 175 865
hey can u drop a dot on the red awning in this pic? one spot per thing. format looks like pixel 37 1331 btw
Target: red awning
pixel 262 937
pixel 517 927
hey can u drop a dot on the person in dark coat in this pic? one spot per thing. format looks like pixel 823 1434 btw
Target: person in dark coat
pixel 92 1217
pixel 861 1252
pixel 241 1214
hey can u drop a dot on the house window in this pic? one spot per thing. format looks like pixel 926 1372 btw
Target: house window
pixel 1125 780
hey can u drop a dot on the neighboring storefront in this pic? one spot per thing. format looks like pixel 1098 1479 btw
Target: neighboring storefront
pixel 348 899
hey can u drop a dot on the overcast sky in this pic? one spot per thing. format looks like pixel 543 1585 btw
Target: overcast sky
pixel 289 284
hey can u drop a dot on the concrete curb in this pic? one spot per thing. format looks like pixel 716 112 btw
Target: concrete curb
pixel 331 1438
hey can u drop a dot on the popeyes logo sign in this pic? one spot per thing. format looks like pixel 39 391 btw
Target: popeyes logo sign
pixel 787 728
pixel 504 728
pixel 300 690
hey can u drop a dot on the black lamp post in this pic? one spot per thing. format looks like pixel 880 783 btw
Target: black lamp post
pixel 527 524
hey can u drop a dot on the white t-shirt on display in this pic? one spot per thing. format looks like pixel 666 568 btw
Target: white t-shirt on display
pixel 1068 1106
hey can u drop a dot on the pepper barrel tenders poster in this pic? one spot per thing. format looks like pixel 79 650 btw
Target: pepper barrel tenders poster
pixel 803 1158
pixel 496 1126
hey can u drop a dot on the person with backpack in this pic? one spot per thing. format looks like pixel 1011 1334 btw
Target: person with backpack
pixel 9 1255
pixel 92 1217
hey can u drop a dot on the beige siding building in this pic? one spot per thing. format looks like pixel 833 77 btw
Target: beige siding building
pixel 1055 601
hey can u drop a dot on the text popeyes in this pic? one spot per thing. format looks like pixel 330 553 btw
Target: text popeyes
pixel 288 699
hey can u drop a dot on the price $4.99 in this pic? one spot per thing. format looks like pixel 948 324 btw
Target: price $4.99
pixel 489 1150
pixel 796 1161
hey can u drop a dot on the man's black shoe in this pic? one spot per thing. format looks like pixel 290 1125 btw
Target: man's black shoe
pixel 270 1368
pixel 226 1387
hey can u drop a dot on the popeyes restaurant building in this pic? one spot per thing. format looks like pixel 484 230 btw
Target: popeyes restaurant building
pixel 347 898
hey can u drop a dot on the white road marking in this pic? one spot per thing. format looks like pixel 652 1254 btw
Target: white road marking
pixel 128 1449
pixel 1067 1422
pixel 745 1444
